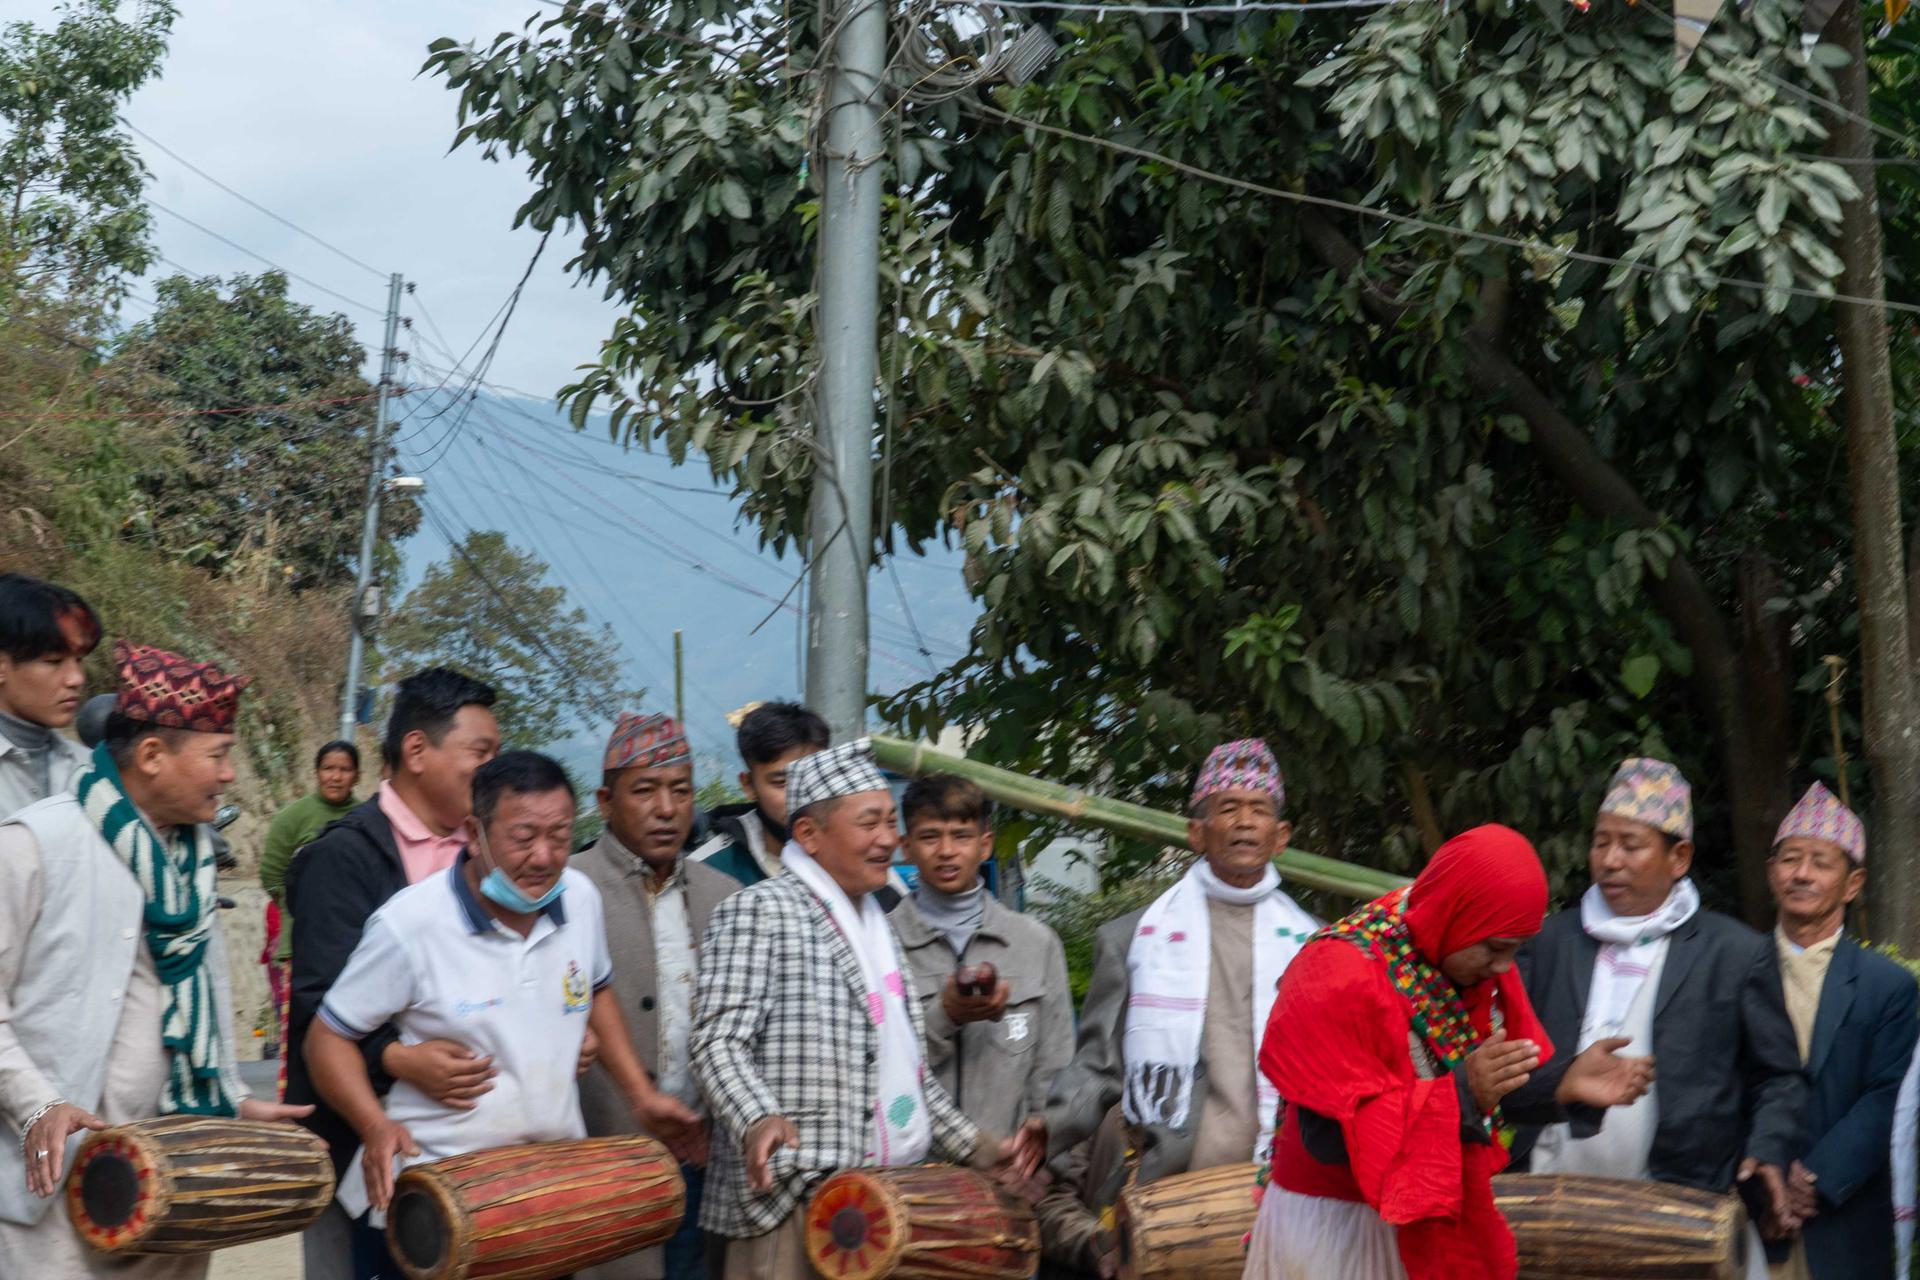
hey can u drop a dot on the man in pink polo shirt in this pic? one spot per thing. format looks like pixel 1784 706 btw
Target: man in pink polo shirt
pixel 442 729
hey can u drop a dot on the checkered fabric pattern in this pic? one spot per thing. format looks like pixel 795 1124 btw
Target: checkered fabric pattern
pixel 1821 816
pixel 1653 792
pixel 1244 765
pixel 845 770
pixel 165 689
pixel 646 742
pixel 781 1028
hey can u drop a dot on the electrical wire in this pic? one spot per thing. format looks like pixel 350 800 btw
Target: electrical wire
pixel 1521 243
pixel 261 257
pixel 251 203
pixel 193 413
pixel 510 617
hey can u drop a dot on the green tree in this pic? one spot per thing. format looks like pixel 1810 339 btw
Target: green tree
pixel 281 484
pixel 1456 518
pixel 488 610
pixel 70 178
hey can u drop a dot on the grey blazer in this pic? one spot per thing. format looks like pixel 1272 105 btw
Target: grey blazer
pixel 620 877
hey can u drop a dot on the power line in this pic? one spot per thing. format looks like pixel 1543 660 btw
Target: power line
pixel 250 203
pixel 191 413
pixel 1426 224
pixel 261 257
pixel 509 612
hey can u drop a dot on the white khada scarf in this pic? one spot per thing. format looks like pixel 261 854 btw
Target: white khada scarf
pixel 1169 968
pixel 1631 947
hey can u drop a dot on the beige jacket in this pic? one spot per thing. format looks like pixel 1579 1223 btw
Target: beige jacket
pixel 622 879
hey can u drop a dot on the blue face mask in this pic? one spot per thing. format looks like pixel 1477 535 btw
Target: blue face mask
pixel 504 893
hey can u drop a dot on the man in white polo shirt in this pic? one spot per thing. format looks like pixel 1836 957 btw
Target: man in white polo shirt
pixel 505 953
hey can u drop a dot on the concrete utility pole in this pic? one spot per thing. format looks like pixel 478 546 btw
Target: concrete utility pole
pixel 840 519
pixel 370 530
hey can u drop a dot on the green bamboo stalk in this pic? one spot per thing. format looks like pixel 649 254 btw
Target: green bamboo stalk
pixel 1119 817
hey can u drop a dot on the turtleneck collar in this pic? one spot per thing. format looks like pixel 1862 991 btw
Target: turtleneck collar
pixel 25 734
pixel 956 916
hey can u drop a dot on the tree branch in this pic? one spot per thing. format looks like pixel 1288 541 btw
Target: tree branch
pixel 1571 458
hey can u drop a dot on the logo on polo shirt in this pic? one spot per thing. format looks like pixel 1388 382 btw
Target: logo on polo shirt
pixel 578 994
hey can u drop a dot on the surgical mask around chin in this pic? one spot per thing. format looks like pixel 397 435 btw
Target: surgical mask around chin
pixel 504 893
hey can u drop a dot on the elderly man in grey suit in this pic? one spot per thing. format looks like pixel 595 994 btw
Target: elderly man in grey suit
pixel 809 1048
pixel 657 903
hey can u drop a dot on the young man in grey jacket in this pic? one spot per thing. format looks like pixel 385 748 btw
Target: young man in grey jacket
pixel 995 1049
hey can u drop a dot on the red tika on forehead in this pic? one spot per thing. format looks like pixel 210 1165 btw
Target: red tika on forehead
pixel 165 689
pixel 79 628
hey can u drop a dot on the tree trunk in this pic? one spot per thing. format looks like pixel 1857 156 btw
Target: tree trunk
pixel 1756 765
pixel 1873 479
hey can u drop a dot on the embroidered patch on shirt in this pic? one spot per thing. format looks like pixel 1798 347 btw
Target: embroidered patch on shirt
pixel 577 992
pixel 1017 1026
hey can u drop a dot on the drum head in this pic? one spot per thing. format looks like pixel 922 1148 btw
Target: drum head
pixel 856 1228
pixel 419 1231
pixel 117 1190
pixel 110 1189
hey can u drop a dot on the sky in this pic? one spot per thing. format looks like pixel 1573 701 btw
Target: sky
pixel 317 112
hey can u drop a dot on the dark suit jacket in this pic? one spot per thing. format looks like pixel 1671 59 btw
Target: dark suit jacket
pixel 336 882
pixel 1730 1083
pixel 1863 1038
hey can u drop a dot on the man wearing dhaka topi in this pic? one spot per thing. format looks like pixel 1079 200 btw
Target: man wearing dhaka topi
pixel 114 1003
pixel 1181 990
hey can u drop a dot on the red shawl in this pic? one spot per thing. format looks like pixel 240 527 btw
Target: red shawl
pixel 1337 1044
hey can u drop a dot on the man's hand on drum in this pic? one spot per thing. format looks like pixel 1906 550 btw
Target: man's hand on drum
pixel 1016 1161
pixel 1498 1067
pixel 670 1120
pixel 46 1145
pixel 387 1140
pixel 277 1112
pixel 962 1009
pixel 1778 1220
pixel 766 1137
pixel 1600 1077
pixel 449 1073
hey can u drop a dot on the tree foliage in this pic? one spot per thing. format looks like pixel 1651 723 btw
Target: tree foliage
pixel 288 475
pixel 71 211
pixel 1452 514
pixel 489 610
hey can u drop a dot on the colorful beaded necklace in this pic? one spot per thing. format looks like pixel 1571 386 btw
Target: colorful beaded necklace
pixel 1380 930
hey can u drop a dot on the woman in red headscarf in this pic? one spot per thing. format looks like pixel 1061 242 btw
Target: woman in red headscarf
pixel 1395 1034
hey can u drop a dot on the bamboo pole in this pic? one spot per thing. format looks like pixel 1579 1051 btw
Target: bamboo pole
pixel 1119 817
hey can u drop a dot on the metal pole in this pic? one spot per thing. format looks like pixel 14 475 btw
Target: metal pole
pixel 370 528
pixel 840 518
pixel 679 680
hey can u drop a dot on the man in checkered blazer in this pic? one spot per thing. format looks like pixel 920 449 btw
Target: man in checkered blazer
pixel 805 1040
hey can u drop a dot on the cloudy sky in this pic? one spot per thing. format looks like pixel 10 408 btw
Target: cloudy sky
pixel 316 111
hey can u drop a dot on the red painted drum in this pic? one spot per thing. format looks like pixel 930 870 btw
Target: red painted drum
pixel 192 1184
pixel 536 1211
pixel 930 1222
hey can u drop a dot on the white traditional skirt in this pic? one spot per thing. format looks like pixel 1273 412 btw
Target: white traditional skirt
pixel 1298 1237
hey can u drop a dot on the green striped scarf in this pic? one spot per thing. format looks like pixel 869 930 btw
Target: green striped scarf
pixel 177 879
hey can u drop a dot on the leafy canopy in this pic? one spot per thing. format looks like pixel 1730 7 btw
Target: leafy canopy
pixel 1455 521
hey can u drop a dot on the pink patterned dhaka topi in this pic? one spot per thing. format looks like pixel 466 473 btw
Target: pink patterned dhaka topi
pixel 1246 765
pixel 1821 816
pixel 1653 792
